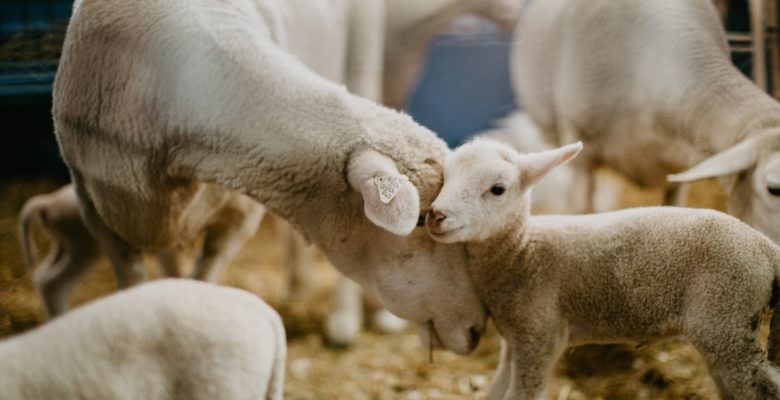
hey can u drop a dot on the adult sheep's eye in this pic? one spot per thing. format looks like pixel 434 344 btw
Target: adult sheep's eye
pixel 497 190
pixel 774 191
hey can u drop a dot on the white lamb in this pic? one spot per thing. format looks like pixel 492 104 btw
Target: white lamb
pixel 169 339
pixel 631 275
pixel 651 90
pixel 73 249
pixel 162 107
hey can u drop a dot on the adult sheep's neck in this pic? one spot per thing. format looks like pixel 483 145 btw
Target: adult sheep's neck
pixel 725 109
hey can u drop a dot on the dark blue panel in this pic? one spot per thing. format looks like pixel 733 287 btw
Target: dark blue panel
pixel 464 86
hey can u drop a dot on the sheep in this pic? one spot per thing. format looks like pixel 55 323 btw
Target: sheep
pixel 162 107
pixel 74 250
pixel 169 339
pixel 410 28
pixel 626 276
pixel 648 86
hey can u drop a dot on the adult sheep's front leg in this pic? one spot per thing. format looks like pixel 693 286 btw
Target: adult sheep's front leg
pixel 126 260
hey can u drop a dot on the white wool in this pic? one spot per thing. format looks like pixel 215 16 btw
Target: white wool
pixel 162 108
pixel 627 276
pixel 169 339
pixel 650 89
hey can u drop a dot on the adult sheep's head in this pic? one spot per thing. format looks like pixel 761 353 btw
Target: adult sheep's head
pixel 751 171
pixel 486 189
pixel 413 276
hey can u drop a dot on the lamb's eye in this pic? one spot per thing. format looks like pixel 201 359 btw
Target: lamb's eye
pixel 497 190
pixel 774 191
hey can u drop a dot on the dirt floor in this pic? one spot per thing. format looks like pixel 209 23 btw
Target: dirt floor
pixel 381 366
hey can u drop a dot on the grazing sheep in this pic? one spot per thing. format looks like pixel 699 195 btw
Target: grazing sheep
pixel 74 250
pixel 649 87
pixel 163 107
pixel 626 276
pixel 169 339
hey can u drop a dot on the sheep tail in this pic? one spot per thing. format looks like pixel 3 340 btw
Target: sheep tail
pixel 30 214
pixel 276 383
pixel 773 343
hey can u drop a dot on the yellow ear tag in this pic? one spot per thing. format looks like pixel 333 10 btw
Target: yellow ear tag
pixel 389 186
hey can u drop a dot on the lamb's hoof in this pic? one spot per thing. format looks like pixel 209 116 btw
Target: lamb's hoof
pixel 342 328
pixel 384 321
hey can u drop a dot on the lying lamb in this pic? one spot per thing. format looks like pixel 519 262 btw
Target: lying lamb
pixel 74 250
pixel 631 275
pixel 169 339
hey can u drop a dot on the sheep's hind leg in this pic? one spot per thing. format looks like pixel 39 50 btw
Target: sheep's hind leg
pixel 232 229
pixel 57 276
pixel 533 359
pixel 736 361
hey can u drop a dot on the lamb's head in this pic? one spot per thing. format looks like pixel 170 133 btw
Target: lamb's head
pixel 751 171
pixel 486 189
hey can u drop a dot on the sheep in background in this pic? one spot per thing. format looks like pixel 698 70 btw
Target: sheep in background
pixel 650 88
pixel 169 339
pixel 626 276
pixel 160 106
pixel 74 250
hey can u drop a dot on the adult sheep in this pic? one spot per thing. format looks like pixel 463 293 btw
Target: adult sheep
pixel 650 89
pixel 162 107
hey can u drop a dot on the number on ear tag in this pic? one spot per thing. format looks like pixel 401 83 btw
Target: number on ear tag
pixel 389 186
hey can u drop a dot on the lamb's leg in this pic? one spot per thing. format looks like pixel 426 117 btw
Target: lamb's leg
pixel 773 342
pixel 233 227
pixel 503 375
pixel 346 318
pixel 533 357
pixel 732 352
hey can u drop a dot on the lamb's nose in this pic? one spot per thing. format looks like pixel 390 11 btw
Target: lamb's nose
pixel 435 218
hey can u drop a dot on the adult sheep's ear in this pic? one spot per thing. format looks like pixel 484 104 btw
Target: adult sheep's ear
pixel 389 200
pixel 732 160
pixel 535 166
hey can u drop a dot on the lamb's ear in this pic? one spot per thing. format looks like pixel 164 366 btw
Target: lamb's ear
pixel 389 200
pixel 535 166
pixel 737 158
